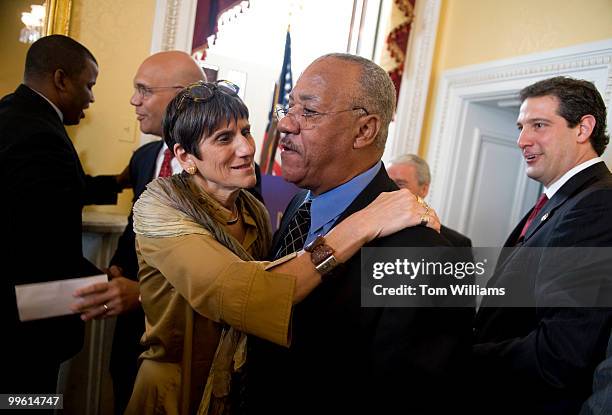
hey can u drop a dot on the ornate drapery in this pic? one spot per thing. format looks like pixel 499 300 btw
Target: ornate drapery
pixel 396 43
pixel 206 21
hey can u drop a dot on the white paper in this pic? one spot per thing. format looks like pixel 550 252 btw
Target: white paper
pixel 50 299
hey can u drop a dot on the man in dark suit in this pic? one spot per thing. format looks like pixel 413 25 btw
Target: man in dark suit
pixel 411 172
pixel 541 359
pixel 600 402
pixel 345 358
pixel 44 189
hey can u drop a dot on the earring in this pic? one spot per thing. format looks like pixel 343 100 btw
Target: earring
pixel 191 169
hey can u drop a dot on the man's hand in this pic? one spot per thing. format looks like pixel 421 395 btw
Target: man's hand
pixel 123 179
pixel 107 299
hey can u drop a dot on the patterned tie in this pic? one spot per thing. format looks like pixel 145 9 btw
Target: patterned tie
pixel 166 166
pixel 297 231
pixel 537 208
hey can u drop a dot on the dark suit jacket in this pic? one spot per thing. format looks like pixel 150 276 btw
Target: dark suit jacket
pixel 455 238
pixel 142 171
pixel 348 359
pixel 542 359
pixel 130 326
pixel 44 189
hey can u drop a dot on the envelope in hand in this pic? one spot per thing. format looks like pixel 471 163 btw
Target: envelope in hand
pixel 50 299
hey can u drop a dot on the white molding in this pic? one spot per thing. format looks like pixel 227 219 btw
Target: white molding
pixel 412 97
pixel 471 178
pixel 500 80
pixel 173 25
pixel 518 205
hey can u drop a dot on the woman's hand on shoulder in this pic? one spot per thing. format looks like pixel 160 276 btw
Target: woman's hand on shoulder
pixel 393 211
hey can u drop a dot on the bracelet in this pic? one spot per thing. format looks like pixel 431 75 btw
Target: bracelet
pixel 321 255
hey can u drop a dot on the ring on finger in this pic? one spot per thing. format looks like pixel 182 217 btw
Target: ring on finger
pixel 424 220
pixel 106 308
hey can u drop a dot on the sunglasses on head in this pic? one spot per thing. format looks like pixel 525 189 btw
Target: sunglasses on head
pixel 203 91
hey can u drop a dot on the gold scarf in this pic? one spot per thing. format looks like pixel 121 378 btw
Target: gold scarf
pixel 175 206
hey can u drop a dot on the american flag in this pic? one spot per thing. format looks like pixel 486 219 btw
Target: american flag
pixel 270 158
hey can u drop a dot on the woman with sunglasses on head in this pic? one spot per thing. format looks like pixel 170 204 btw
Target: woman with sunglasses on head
pixel 199 237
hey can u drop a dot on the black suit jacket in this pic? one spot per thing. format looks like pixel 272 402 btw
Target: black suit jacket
pixel 44 189
pixel 541 360
pixel 455 238
pixel 348 359
pixel 142 171
pixel 130 325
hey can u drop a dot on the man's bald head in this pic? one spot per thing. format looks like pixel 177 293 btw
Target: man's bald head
pixel 158 80
pixel 173 67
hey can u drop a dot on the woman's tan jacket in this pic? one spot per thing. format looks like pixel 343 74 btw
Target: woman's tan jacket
pixel 191 288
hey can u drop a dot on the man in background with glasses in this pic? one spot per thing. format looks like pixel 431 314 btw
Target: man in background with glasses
pixel 158 79
pixel 345 358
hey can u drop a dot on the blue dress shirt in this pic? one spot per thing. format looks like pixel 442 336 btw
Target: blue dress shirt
pixel 327 207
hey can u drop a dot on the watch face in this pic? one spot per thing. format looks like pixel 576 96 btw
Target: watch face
pixel 320 253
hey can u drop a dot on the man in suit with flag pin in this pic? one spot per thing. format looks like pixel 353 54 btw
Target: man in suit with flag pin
pixel 538 355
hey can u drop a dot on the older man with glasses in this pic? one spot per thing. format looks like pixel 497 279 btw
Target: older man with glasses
pixel 344 358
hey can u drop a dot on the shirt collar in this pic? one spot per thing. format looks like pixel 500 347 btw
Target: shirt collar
pixel 57 110
pixel 328 206
pixel 550 191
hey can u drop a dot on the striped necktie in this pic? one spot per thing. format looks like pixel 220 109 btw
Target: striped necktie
pixel 297 231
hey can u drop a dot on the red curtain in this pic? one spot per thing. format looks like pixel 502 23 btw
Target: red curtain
pixel 207 15
pixel 400 23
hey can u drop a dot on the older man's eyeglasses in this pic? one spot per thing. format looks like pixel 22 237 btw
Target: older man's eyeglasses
pixel 147 91
pixel 204 91
pixel 306 118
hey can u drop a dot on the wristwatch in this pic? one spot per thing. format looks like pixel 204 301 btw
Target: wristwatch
pixel 321 255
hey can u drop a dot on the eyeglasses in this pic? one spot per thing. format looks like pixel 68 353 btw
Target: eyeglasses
pixel 146 91
pixel 203 91
pixel 307 119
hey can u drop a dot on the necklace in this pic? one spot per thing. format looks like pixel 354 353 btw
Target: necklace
pixel 235 218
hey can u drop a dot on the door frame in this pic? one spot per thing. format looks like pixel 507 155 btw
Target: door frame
pixel 502 80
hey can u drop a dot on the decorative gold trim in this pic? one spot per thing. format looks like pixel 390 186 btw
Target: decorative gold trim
pixel 57 19
pixel 170 24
